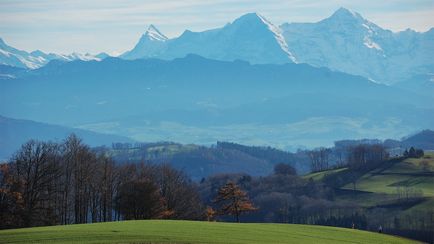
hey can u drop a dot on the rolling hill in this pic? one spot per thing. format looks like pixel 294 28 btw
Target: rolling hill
pixel 398 188
pixel 166 231
pixel 416 173
pixel 423 139
pixel 386 178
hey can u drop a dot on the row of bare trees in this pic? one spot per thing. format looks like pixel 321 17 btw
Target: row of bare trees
pixel 319 159
pixel 354 156
pixel 361 155
pixel 63 183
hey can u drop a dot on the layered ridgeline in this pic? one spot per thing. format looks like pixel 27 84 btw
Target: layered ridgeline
pixel 345 42
pixel 160 91
pixel 198 100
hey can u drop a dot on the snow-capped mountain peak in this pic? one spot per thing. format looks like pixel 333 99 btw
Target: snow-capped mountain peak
pixel 249 18
pixel 151 44
pixel 154 34
pixel 252 19
pixel 345 14
pixel 38 53
pixel 258 21
pixel 347 20
pixel 36 59
pixel 251 37
pixel 278 35
pixel 347 42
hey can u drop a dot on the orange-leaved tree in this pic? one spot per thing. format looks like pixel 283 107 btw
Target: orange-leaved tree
pixel 233 201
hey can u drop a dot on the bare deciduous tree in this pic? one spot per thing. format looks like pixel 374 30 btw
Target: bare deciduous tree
pixel 233 201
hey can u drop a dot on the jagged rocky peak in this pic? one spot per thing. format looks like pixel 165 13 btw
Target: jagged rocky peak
pixel 154 34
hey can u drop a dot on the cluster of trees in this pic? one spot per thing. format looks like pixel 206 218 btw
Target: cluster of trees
pixel 284 197
pixel 356 153
pixel 347 153
pixel 413 153
pixel 139 145
pixel 319 159
pixel 201 161
pixel 364 154
pixel 279 197
pixel 270 154
pixel 62 183
pixel 407 193
pixel 49 183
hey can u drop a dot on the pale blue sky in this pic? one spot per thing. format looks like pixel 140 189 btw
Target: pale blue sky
pixel 64 26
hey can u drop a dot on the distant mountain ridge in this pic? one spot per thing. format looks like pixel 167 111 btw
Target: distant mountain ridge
pixel 36 59
pixel 15 132
pixel 250 37
pixel 198 100
pixel 423 140
pixel 344 42
pixel 151 44
pixel 349 43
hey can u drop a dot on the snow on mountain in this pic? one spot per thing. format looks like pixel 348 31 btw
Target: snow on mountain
pixel 347 42
pixel 36 59
pixel 151 44
pixel 154 34
pixel 18 58
pixel 250 37
pixel 344 41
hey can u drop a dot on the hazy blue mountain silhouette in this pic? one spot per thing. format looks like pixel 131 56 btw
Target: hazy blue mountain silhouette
pixel 15 132
pixel 203 92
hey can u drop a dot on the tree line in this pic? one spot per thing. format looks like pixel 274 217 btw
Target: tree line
pixel 64 183
pixel 48 183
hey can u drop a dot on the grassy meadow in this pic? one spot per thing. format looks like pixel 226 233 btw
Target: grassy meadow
pixel 168 231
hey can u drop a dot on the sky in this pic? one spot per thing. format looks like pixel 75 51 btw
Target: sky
pixel 66 26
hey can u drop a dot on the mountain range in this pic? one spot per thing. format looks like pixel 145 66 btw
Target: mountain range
pixel 251 38
pixel 199 100
pixel 36 59
pixel 250 82
pixel 345 42
pixel 349 43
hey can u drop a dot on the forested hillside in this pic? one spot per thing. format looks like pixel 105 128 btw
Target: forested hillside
pixel 48 183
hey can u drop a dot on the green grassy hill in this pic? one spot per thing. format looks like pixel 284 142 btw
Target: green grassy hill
pixel 167 231
pixel 416 173
pixel 401 191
